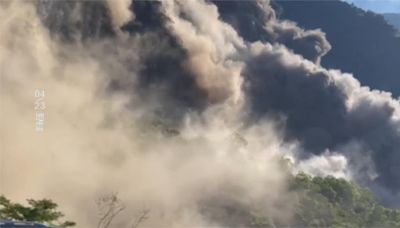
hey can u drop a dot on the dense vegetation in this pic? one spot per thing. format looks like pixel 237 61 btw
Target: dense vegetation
pixel 332 202
pixel 43 211
pixel 319 202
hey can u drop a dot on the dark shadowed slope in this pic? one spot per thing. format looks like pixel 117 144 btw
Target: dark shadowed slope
pixel 315 106
pixel 393 19
pixel 362 42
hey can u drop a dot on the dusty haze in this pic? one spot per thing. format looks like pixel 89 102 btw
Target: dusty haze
pixel 189 136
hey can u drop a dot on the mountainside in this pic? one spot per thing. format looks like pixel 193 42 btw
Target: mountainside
pixel 362 42
pixel 317 202
pixel 331 202
pixel 317 113
pixel 393 19
pixel 199 113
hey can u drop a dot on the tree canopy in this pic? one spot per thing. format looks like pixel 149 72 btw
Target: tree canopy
pixel 43 211
pixel 333 202
pixel 318 202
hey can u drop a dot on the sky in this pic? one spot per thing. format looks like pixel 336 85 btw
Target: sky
pixel 378 6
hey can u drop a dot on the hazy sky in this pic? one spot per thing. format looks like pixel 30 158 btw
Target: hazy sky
pixel 379 6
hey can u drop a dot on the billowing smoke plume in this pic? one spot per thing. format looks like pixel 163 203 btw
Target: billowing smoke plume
pixel 128 111
pixel 257 21
pixel 179 112
pixel 323 109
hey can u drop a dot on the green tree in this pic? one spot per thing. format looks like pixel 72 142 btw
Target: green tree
pixel 43 211
pixel 333 202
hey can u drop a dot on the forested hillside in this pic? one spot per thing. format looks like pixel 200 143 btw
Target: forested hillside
pixel 178 113
pixel 332 202
pixel 319 202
